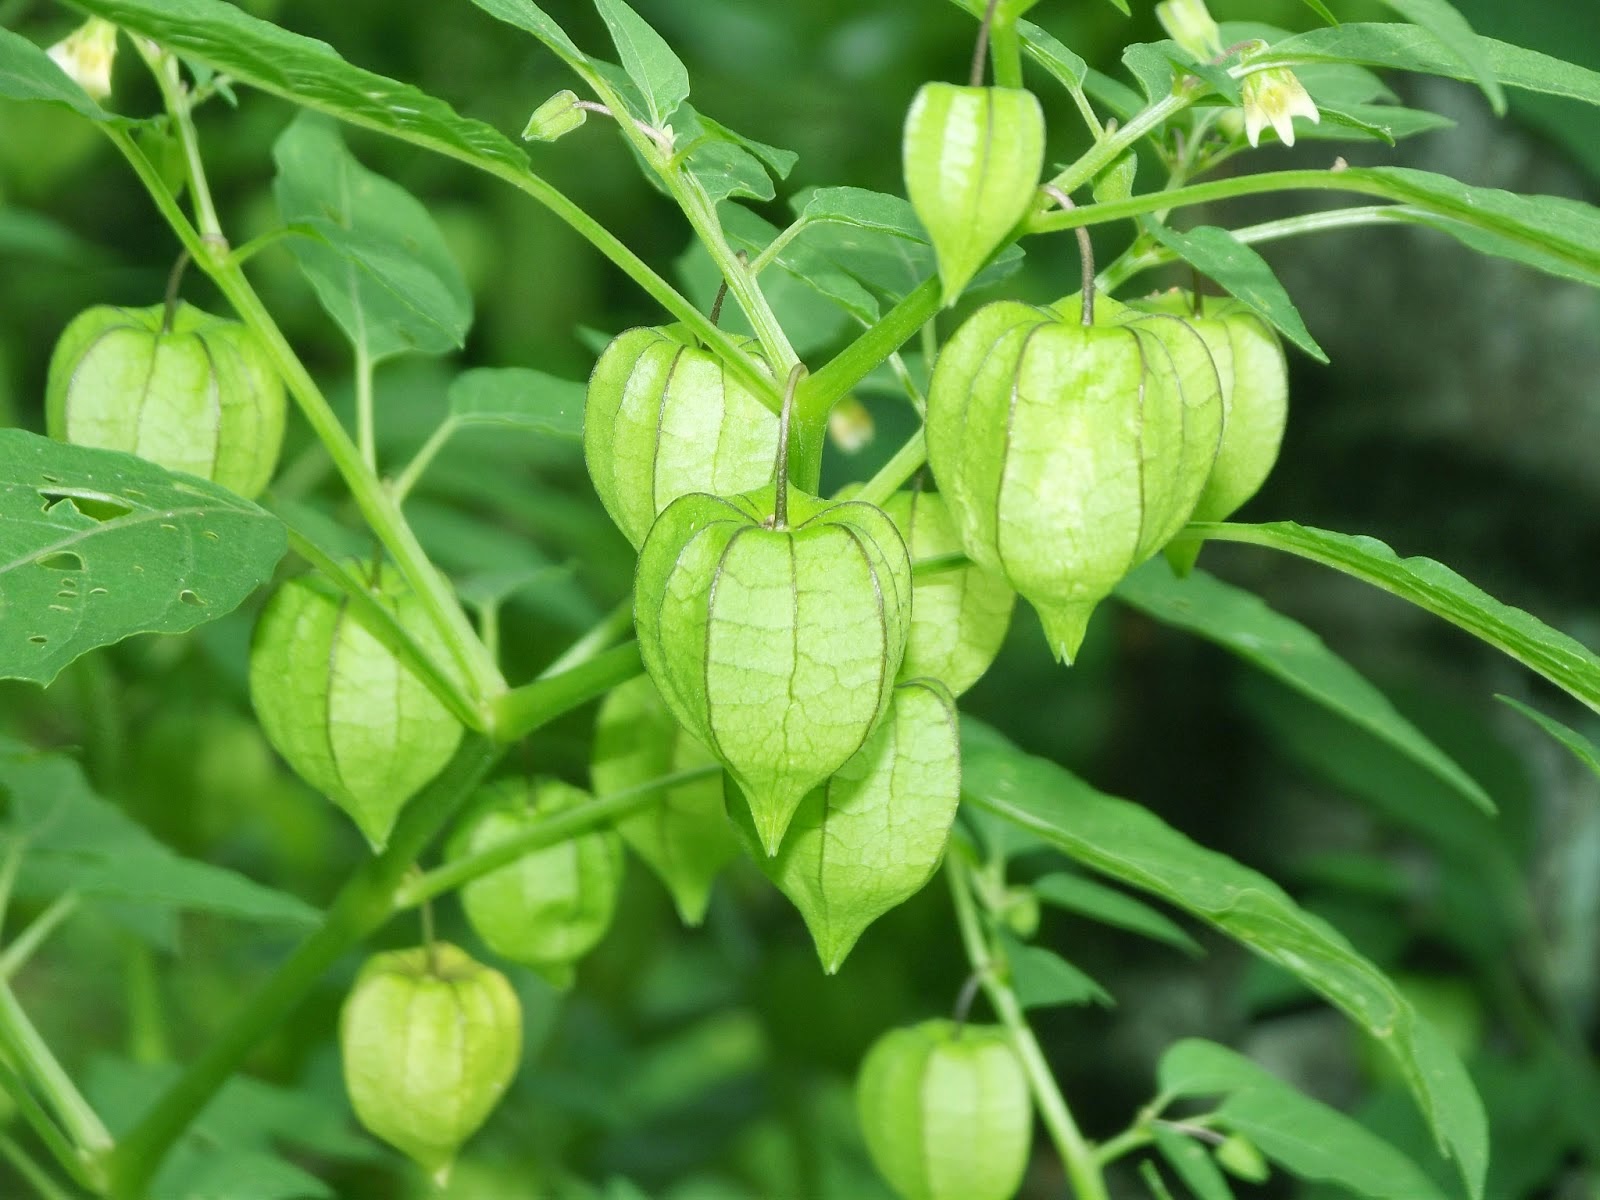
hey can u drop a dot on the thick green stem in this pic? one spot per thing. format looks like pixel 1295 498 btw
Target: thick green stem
pixel 906 462
pixel 1005 52
pixel 1077 1156
pixel 362 905
pixel 559 828
pixel 379 509
pixel 611 628
pixel 31 1172
pixel 524 709
pixel 825 387
pixel 39 1067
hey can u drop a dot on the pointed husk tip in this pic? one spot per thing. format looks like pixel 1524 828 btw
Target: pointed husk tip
pixel 1064 627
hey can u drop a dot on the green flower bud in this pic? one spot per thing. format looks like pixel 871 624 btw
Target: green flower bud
pixel 555 118
pixel 869 838
pixel 1068 454
pixel 201 397
pixel 664 418
pixel 336 702
pixel 958 616
pixel 430 1041
pixel 552 906
pixel 1239 1157
pixel 1189 23
pixel 973 156
pixel 684 836
pixel 946 1112
pixel 775 641
pixel 86 55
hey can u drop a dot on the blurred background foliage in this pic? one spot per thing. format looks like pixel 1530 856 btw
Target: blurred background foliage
pixel 1460 419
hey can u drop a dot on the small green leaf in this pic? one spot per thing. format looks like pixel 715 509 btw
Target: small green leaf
pixel 1321 9
pixel 1442 20
pixel 1302 1135
pixel 649 61
pixel 529 16
pixel 1290 653
pixel 1129 843
pixel 1216 253
pixel 1050 53
pixel 1582 748
pixel 1041 978
pixel 28 73
pixel 1433 586
pixel 1193 1165
pixel 379 264
pixel 96 546
pixel 521 398
pixel 1111 907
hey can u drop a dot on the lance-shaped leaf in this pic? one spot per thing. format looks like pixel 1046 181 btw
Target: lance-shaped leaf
pixel 945 1111
pixel 972 161
pixel 869 838
pixel 958 617
pixel 336 701
pixel 1060 448
pixel 96 546
pixel 684 836
pixel 551 906
pixel 191 392
pixel 430 1041
pixel 663 418
pixel 775 644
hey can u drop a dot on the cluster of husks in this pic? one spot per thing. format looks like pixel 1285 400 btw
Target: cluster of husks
pixel 782 645
pixel 1070 453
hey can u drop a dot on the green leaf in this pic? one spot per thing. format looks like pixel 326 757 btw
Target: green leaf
pixel 1321 9
pixel 1111 907
pixel 524 399
pixel 28 73
pixel 1302 1135
pixel 529 16
pixel 1130 844
pixel 1041 978
pixel 1289 652
pixel 649 61
pixel 1245 274
pixel 1433 586
pixel 97 545
pixel 1409 48
pixel 1441 19
pixel 727 163
pixel 1193 1165
pixel 1582 748
pixel 77 841
pixel 379 264
pixel 310 73
pixel 1387 123
pixel 1050 53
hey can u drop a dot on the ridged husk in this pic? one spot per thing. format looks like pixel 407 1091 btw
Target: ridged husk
pixel 342 709
pixel 777 648
pixel 430 1042
pixel 202 397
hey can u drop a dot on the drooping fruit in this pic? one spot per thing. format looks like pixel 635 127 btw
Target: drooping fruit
pixel 873 834
pixel 332 697
pixel 430 1041
pixel 1068 453
pixel 663 418
pixel 551 906
pixel 684 836
pixel 959 615
pixel 200 396
pixel 972 158
pixel 774 638
pixel 946 1112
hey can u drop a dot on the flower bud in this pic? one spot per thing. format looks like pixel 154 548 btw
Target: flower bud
pixel 946 1112
pixel 200 395
pixel 1240 1158
pixel 684 836
pixel 552 906
pixel 776 643
pixel 430 1041
pixel 555 118
pixel 871 836
pixel 973 156
pixel 86 55
pixel 340 706
pixel 1188 23
pixel 663 418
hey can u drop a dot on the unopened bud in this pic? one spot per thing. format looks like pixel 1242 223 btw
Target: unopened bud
pixel 556 117
pixel 1189 23
pixel 86 56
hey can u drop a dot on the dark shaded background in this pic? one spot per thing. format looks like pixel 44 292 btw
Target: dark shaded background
pixel 1460 419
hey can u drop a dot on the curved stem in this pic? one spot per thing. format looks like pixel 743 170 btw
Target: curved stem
pixel 905 463
pixel 1077 1156
pixel 559 828
pixel 379 509
pixel 522 710
pixel 164 66
pixel 980 48
pixel 824 387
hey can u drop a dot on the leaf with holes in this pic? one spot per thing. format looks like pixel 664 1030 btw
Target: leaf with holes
pixel 96 546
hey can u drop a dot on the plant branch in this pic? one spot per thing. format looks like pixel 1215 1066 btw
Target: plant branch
pixel 826 386
pixel 38 1066
pixel 22 947
pixel 35 1175
pixel 164 66
pixel 520 711
pixel 1077 1157
pixel 559 828
pixel 905 463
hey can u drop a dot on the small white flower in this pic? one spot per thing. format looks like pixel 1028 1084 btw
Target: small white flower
pixel 1189 23
pixel 1276 97
pixel 86 56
